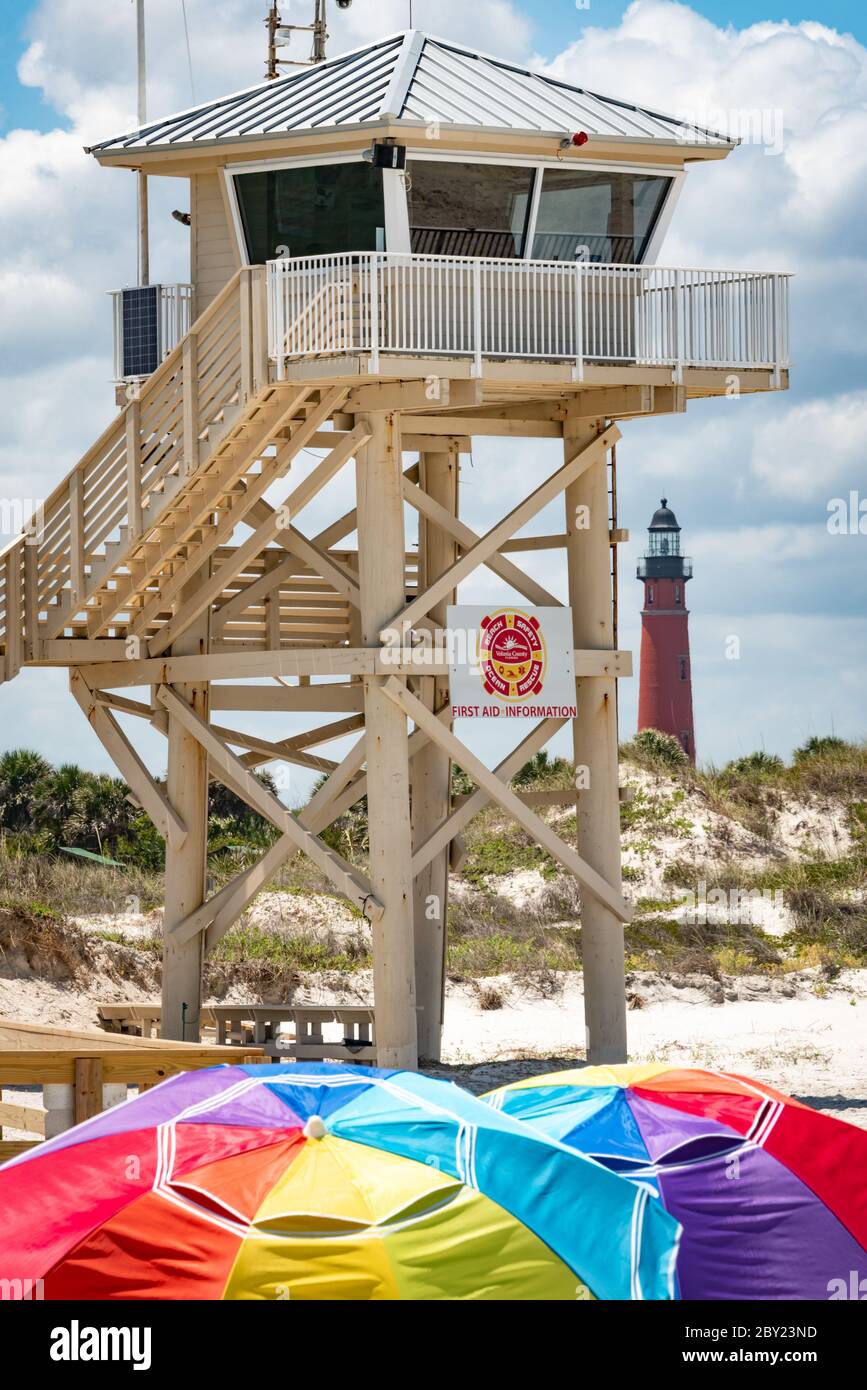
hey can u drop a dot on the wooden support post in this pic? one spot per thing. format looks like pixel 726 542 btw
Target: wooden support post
pixel 259 326
pixel 133 469
pixel 88 1088
pixel 31 602
pixel 272 606
pixel 594 742
pixel 76 540
pixel 246 330
pixel 431 773
pixel 13 611
pixel 190 352
pixel 382 560
pixel 187 790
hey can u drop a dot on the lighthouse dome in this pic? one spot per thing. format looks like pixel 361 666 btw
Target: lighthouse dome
pixel 664 518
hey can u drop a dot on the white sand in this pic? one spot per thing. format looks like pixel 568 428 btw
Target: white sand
pixel 799 1034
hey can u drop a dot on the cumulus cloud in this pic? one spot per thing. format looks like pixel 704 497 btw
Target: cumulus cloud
pixel 751 478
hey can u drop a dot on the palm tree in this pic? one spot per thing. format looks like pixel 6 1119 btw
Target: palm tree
pixel 23 774
pixel 58 801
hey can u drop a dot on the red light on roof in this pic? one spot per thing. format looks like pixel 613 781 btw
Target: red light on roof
pixel 580 137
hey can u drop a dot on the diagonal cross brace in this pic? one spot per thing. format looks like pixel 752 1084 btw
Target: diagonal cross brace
pixel 229 768
pixel 586 875
pixel 129 764
pixel 449 828
pixel 466 538
pixel 488 544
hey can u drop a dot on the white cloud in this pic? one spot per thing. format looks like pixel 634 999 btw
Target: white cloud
pixel 753 476
pixel 814 448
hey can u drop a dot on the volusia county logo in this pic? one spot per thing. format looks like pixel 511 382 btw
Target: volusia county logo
pixel 513 656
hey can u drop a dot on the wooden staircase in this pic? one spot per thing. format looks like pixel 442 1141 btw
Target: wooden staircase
pixel 163 489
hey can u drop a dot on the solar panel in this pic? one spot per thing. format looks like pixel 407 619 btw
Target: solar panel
pixel 140 320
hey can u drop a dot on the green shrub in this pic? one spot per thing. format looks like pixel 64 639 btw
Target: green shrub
pixel 655 750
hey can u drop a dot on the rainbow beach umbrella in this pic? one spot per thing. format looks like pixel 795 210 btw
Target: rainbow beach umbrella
pixel 324 1182
pixel 771 1195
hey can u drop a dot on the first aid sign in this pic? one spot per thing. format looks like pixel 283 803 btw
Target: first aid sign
pixel 514 663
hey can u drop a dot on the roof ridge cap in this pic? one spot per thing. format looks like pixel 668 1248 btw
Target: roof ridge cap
pixel 405 69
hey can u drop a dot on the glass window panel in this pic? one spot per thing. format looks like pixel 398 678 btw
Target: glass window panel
pixel 606 217
pixel 314 211
pixel 469 209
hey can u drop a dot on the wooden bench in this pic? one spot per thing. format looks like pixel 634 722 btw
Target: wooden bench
pixel 259 1025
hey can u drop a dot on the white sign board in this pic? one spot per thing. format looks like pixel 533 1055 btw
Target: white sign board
pixel 511 662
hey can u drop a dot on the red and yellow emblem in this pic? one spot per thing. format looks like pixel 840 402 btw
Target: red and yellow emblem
pixel 513 655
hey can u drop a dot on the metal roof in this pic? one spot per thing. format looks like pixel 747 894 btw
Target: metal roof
pixel 413 77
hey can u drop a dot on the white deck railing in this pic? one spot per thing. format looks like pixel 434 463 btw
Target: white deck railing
pixel 458 306
pixel 175 318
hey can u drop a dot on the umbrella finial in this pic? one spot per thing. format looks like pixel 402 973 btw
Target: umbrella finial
pixel 315 1128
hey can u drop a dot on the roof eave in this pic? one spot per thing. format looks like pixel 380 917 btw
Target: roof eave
pixel 134 157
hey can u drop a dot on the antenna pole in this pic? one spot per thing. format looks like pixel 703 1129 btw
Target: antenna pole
pixel 320 33
pixel 143 239
pixel 272 23
pixel 318 29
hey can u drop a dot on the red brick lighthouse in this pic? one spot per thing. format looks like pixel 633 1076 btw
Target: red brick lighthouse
pixel 665 693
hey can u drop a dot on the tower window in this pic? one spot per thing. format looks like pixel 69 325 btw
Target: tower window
pixel 649 595
pixel 681 661
pixel 684 738
pixel 677 593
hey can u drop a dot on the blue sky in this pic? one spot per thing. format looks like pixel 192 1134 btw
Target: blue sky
pixel 751 481
pixel 554 23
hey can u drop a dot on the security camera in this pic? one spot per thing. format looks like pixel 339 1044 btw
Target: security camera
pixel 343 4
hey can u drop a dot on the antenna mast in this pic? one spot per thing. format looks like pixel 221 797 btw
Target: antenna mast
pixel 144 269
pixel 279 35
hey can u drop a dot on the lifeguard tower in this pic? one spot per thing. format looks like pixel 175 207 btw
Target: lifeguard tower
pixel 393 253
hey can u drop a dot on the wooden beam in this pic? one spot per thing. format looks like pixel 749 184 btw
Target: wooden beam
pixel 382 576
pixel 431 768
pixel 485 425
pixel 87 1091
pixel 266 751
pixel 190 357
pixel 525 543
pixel 257 592
pixel 290 748
pixel 133 469
pixel 428 507
pixel 414 395
pixel 153 799
pixel 587 876
pixel 230 769
pixel 76 540
pixel 221 911
pixel 412 442
pixel 295 699
pixel 261 537
pixel 72 651
pixel 341 579
pixel 595 750
pixel 448 829
pixel 326 661
pixel 187 782
pixel 505 529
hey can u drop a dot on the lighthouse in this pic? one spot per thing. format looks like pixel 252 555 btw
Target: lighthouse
pixel 665 692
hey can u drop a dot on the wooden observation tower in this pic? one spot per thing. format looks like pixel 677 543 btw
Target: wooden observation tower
pixel 392 254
